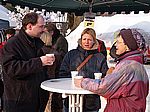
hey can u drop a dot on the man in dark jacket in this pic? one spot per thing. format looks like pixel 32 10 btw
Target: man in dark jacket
pixel 24 68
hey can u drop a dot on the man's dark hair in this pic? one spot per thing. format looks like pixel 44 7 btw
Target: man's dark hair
pixel 30 18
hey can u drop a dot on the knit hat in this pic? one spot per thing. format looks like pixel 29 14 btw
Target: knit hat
pixel 133 39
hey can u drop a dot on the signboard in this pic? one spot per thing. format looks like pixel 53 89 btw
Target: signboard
pixel 89 23
pixel 89 18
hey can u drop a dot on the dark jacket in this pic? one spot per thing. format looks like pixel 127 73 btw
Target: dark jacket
pixel 76 56
pixel 53 70
pixel 23 73
pixel 96 64
pixel 61 46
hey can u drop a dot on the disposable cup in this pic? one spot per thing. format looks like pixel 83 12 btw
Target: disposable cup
pixel 98 75
pixel 73 74
pixel 50 55
pixel 78 77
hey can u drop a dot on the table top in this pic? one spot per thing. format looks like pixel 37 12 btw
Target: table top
pixel 63 85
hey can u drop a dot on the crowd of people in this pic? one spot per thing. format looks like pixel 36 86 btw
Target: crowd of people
pixel 25 65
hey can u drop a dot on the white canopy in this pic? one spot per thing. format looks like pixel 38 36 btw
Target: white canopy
pixel 4 15
pixel 106 26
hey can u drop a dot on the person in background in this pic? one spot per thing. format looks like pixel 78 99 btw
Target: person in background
pixel 87 45
pixel 48 49
pixel 102 48
pixel 52 29
pixel 24 68
pixel 127 85
pixel 55 103
pixel 60 45
pixel 10 33
pixel 59 42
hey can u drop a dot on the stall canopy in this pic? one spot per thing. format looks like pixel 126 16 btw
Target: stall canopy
pixel 81 6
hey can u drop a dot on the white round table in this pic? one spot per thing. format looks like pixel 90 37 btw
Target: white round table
pixel 65 86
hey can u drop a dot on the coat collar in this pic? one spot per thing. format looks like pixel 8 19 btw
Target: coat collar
pixel 93 50
pixel 33 42
pixel 132 55
pixel 87 52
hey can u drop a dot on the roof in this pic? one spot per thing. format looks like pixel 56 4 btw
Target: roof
pixel 81 6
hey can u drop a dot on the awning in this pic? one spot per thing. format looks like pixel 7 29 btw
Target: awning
pixel 81 6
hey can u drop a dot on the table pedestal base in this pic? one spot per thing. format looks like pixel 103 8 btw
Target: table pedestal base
pixel 75 103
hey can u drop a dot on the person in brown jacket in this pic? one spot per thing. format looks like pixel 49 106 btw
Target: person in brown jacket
pixel 59 42
pixel 55 103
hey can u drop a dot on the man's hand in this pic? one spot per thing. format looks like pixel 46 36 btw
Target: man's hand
pixel 47 60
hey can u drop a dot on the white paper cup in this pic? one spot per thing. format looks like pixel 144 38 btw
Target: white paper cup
pixel 98 75
pixel 78 77
pixel 73 74
pixel 50 55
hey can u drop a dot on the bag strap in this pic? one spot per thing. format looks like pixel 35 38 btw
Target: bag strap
pixel 83 63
